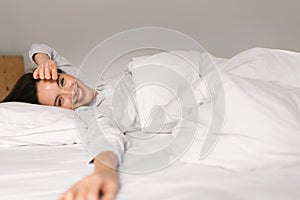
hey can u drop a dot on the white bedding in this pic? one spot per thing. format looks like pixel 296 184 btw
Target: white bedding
pixel 28 124
pixel 41 164
pixel 43 172
pixel 260 93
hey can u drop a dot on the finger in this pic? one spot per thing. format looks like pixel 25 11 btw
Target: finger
pixel 79 197
pixel 54 74
pixel 47 72
pixel 93 194
pixel 36 73
pixel 80 193
pixel 87 191
pixel 41 71
pixel 109 192
pixel 67 196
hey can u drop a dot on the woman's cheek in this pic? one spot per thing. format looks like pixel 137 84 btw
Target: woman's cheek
pixel 68 104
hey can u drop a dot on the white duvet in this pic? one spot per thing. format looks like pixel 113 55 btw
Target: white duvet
pixel 260 128
pixel 261 106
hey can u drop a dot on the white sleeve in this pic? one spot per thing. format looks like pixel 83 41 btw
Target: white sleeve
pixel 102 135
pixel 52 54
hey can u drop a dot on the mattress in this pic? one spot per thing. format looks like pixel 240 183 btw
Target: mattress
pixel 44 172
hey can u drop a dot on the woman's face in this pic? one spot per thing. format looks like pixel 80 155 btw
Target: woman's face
pixel 66 91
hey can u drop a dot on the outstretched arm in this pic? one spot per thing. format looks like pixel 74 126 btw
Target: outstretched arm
pixel 103 181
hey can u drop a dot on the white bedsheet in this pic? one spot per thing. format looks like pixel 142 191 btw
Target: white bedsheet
pixel 44 172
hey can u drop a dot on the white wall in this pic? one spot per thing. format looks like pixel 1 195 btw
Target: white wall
pixel 74 27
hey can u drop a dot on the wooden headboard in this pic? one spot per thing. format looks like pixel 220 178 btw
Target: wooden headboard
pixel 11 69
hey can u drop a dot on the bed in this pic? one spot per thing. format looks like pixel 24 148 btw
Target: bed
pixel 44 172
pixel 40 161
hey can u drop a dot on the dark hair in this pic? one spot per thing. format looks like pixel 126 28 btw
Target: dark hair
pixel 25 90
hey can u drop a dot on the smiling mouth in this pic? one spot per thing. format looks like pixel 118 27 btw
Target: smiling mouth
pixel 76 94
pixel 79 94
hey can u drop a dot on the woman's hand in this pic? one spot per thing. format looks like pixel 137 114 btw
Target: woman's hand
pixel 46 70
pixel 104 182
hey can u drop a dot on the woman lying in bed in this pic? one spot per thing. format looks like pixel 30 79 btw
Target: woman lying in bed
pixel 262 113
pixel 50 86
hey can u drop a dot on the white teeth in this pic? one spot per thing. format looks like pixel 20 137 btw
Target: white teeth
pixel 79 95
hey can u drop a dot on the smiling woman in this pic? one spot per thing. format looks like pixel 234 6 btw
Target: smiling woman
pixel 66 91
pixel 258 84
pixel 48 85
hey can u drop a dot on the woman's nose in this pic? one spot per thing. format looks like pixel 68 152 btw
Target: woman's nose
pixel 70 93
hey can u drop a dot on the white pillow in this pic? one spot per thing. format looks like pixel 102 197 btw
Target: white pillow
pixel 159 78
pixel 29 124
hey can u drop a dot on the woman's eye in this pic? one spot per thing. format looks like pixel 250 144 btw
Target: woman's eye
pixel 59 101
pixel 62 81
